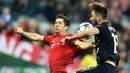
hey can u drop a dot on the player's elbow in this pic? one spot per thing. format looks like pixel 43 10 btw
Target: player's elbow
pixel 38 37
pixel 33 39
pixel 92 32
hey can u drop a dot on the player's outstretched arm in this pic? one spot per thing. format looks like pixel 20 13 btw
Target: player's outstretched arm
pixel 84 34
pixel 32 36
pixel 85 45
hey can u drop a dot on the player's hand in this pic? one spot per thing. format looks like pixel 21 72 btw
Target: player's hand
pixel 85 45
pixel 68 38
pixel 18 30
pixel 93 42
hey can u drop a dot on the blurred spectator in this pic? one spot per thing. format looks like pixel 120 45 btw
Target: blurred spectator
pixel 32 5
pixel 6 15
pixel 1 4
pixel 125 7
pixel 127 66
pixel 40 7
pixel 35 27
pixel 126 39
pixel 73 2
pixel 10 30
pixel 61 8
pixel 23 6
pixel 122 62
pixel 128 43
pixel 49 12
pixel 122 70
pixel 8 3
pixel 115 18
pixel 81 12
pixel 104 2
pixel 2 25
pixel 50 31
pixel 25 25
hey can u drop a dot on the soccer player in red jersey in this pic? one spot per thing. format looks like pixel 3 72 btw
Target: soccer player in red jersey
pixel 61 53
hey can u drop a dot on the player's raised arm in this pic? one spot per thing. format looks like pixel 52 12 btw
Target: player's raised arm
pixel 84 34
pixel 85 45
pixel 32 36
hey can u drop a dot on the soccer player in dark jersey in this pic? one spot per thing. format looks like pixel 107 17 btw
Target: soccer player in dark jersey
pixel 61 53
pixel 106 40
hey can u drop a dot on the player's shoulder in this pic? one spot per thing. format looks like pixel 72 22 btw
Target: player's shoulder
pixel 68 35
pixel 63 36
pixel 50 36
pixel 106 24
pixel 103 25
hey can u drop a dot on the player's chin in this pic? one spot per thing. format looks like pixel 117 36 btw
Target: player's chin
pixel 93 22
pixel 56 31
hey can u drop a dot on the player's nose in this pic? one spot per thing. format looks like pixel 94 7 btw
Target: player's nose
pixel 56 25
pixel 91 19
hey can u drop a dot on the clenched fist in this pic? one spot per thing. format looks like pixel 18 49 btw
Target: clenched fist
pixel 18 30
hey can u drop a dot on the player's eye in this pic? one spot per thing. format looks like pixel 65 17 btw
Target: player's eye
pixel 60 22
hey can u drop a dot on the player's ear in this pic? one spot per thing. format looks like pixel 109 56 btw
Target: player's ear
pixel 98 18
pixel 66 27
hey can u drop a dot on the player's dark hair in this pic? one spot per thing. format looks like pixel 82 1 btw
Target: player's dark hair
pixel 99 9
pixel 66 20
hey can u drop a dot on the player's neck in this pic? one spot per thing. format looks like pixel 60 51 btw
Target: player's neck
pixel 61 33
pixel 102 21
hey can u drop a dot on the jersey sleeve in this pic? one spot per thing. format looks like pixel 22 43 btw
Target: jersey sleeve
pixel 100 28
pixel 47 39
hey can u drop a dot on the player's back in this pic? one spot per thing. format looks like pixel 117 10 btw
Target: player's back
pixel 106 43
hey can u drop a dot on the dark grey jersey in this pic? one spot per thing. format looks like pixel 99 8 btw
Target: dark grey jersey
pixel 106 43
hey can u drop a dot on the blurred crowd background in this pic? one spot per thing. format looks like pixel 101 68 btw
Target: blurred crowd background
pixel 39 16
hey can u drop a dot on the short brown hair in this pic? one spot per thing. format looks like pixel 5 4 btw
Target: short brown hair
pixel 66 20
pixel 99 9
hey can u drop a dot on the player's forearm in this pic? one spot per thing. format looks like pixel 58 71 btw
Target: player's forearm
pixel 32 36
pixel 80 35
pixel 85 34
pixel 85 45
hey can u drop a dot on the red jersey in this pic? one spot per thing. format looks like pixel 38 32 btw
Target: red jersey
pixel 61 53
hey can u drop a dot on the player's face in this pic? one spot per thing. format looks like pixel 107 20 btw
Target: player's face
pixel 60 26
pixel 93 18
